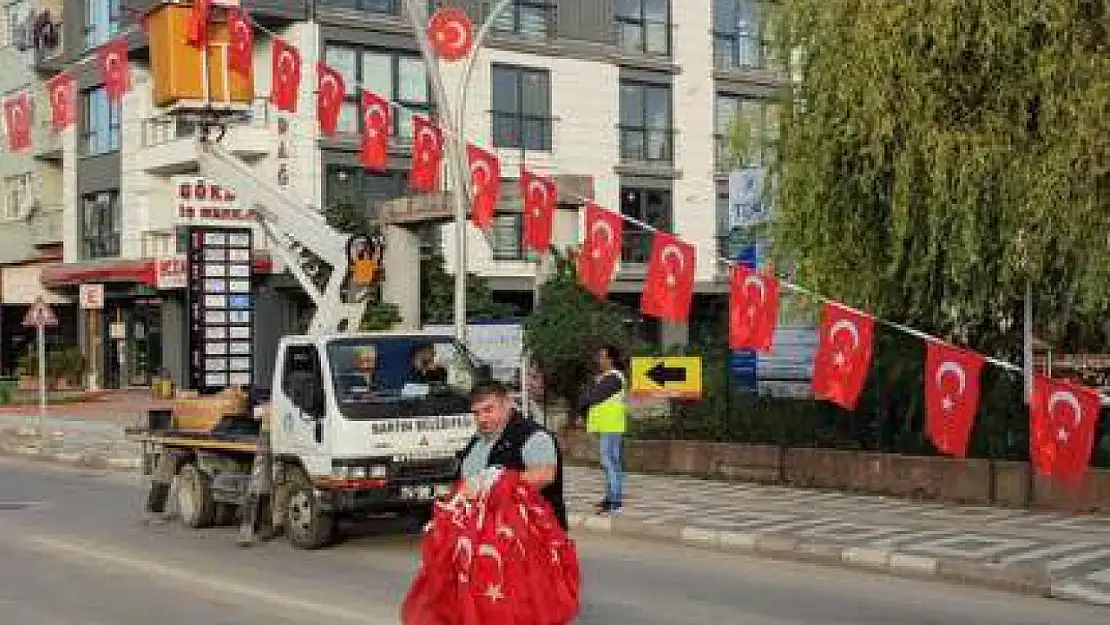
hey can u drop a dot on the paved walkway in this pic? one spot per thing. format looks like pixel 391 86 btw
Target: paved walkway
pixel 1053 554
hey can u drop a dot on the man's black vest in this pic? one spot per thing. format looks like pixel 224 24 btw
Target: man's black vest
pixel 508 452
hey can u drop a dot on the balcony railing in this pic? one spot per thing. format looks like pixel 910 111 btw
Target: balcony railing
pixel 646 145
pixel 169 127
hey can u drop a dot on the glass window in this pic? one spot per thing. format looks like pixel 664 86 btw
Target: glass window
pixel 102 21
pixel 374 6
pixel 651 206
pixel 738 34
pixel 526 18
pixel 17 195
pixel 759 125
pixel 388 375
pixel 101 225
pixel 645 122
pixel 521 108
pixel 397 76
pixel 101 123
pixel 644 26
pixel 505 237
pixel 363 190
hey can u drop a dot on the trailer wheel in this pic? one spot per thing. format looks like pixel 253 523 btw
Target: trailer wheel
pixel 194 497
pixel 306 524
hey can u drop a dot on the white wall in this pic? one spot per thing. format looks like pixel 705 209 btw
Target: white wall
pixel 585 105
pixel 693 97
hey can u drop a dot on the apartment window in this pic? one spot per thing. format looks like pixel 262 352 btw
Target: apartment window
pixel 756 122
pixel 526 18
pixel 521 108
pixel 16 24
pixel 397 76
pixel 101 225
pixel 17 195
pixel 505 238
pixel 645 122
pixel 644 26
pixel 651 206
pixel 101 124
pixel 738 40
pixel 360 189
pixel 102 21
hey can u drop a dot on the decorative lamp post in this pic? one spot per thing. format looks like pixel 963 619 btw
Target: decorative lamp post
pixel 449 36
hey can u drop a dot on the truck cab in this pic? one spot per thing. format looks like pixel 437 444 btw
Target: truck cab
pixel 366 423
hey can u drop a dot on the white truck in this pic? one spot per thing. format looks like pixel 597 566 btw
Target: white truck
pixel 351 429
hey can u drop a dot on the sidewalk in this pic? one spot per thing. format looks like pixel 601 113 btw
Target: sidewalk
pixel 1046 554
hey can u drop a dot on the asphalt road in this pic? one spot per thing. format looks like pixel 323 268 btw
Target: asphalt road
pixel 74 553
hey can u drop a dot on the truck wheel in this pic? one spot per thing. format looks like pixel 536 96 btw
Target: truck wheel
pixel 194 498
pixel 306 524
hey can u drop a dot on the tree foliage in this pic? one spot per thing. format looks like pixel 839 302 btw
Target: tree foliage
pixel 568 326
pixel 437 295
pixel 938 154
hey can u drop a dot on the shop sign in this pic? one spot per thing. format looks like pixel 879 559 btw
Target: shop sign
pixel 199 202
pixel 92 296
pixel 171 273
pixel 220 308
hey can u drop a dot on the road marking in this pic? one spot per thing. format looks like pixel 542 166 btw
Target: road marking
pixel 219 585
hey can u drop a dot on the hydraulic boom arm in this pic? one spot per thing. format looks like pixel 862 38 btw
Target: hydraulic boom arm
pixel 291 225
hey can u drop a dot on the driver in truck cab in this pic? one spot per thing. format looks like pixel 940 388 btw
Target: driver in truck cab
pixel 361 376
pixel 506 439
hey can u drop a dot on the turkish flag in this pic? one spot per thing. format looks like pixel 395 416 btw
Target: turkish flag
pixel 286 76
pixel 114 68
pixel 17 118
pixel 753 309
pixel 197 25
pixel 601 249
pixel 669 284
pixel 62 92
pixel 951 396
pixel 240 52
pixel 330 91
pixel 427 154
pixel 377 121
pixel 843 355
pixel 485 185
pixel 1063 416
pixel 540 194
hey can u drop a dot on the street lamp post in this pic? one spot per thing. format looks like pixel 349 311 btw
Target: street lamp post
pixel 417 11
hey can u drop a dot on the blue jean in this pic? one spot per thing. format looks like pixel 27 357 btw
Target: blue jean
pixel 611 465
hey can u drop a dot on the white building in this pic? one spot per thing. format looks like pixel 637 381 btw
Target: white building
pixel 633 94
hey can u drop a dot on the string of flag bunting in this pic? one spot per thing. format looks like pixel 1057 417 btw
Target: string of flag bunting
pixel 1063 414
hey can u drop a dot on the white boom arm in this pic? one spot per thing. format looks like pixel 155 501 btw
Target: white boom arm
pixel 290 224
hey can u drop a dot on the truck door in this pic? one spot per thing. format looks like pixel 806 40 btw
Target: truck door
pixel 300 408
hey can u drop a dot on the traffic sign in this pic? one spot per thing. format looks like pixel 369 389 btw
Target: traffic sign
pixel 676 377
pixel 40 314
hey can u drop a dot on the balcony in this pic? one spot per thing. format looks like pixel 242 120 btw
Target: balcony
pixel 46 226
pixel 168 140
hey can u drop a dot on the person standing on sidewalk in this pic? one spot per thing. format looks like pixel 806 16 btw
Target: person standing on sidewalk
pixel 606 416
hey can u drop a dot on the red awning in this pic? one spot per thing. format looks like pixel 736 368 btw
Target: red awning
pixel 132 271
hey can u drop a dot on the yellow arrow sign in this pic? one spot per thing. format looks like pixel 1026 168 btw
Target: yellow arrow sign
pixel 677 377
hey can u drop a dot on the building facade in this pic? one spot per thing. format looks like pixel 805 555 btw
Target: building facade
pixel 633 95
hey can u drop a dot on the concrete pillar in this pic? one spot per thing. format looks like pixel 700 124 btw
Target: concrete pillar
pixel 674 334
pixel 401 284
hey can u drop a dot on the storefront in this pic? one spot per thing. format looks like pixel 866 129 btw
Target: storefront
pixel 21 286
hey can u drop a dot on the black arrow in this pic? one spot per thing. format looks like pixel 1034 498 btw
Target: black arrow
pixel 661 374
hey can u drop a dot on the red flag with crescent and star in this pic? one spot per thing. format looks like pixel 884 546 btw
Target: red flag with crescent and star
pixel 330 92
pixel 377 122
pixel 601 249
pixel 427 154
pixel 753 309
pixel 952 391
pixel 669 283
pixel 240 53
pixel 450 33
pixel 485 185
pixel 843 355
pixel 286 76
pixel 540 194
pixel 17 119
pixel 197 25
pixel 62 91
pixel 115 71
pixel 1063 416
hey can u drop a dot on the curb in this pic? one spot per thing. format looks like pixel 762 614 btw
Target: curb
pixel 1024 579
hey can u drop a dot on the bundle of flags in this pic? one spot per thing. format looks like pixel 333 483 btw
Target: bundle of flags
pixel 499 558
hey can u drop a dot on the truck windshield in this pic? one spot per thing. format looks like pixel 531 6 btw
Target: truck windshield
pixel 409 375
